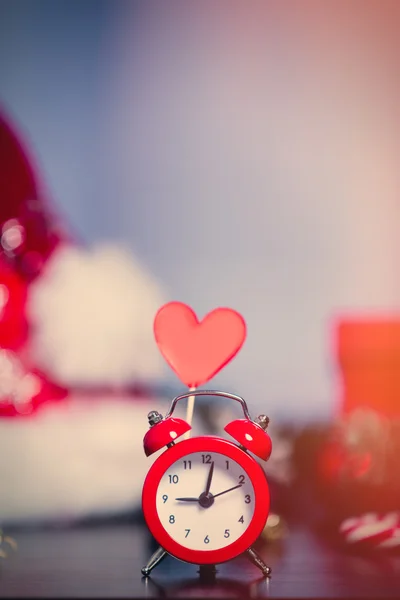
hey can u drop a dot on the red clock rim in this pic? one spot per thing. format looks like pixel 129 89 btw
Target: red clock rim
pixel 230 450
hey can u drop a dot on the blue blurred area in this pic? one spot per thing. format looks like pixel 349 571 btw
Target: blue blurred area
pixel 50 69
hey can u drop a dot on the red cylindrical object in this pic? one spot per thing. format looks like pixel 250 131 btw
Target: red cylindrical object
pixel 368 354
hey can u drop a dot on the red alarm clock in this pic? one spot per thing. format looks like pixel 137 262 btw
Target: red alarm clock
pixel 206 499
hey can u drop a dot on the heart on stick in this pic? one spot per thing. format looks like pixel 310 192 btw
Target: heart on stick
pixel 198 350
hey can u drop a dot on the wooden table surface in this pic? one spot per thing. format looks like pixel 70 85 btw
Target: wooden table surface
pixel 105 561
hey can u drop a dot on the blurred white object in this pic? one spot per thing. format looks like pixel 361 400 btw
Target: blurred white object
pixel 76 458
pixel 16 385
pixel 373 530
pixel 92 313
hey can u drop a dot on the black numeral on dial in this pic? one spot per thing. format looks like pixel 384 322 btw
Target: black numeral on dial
pixel 227 533
pixel 187 464
pixel 165 498
pixel 206 458
pixel 173 478
pixel 171 519
pixel 241 520
pixel 242 479
pixel 247 499
pixel 206 540
pixel 187 532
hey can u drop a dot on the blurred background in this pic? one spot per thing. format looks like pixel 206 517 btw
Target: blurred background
pixel 228 153
pixel 245 152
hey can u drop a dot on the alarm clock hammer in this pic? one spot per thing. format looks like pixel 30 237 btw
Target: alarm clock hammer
pixel 200 535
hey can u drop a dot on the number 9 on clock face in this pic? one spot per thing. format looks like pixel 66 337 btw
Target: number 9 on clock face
pixel 205 500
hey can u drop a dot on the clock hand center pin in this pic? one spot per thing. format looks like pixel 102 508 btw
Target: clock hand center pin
pixel 205 499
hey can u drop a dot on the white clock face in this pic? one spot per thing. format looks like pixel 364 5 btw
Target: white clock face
pixel 205 523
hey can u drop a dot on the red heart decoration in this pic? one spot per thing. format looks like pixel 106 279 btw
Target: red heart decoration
pixel 195 350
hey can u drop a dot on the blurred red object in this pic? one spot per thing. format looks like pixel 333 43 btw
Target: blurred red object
pixel 372 531
pixel 13 322
pixel 336 461
pixel 29 232
pixel 23 389
pixel 368 354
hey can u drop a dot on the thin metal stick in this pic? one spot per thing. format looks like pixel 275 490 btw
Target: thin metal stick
pixel 189 411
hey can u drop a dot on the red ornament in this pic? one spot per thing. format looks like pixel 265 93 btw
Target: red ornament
pixel 13 322
pixel 29 233
pixel 28 230
pixel 195 350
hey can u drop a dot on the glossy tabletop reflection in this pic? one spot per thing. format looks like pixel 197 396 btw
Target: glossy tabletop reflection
pixel 105 561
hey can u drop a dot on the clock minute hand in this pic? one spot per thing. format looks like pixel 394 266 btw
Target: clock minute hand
pixel 208 485
pixel 230 490
pixel 209 479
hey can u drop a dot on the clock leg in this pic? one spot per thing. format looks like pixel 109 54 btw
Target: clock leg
pixel 258 561
pixel 157 557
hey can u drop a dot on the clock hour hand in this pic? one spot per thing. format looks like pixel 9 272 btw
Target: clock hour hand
pixel 226 491
pixel 187 499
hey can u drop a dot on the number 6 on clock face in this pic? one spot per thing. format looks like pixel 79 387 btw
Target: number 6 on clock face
pixel 206 500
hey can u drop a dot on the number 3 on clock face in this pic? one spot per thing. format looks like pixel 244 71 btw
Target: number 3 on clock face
pixel 201 525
